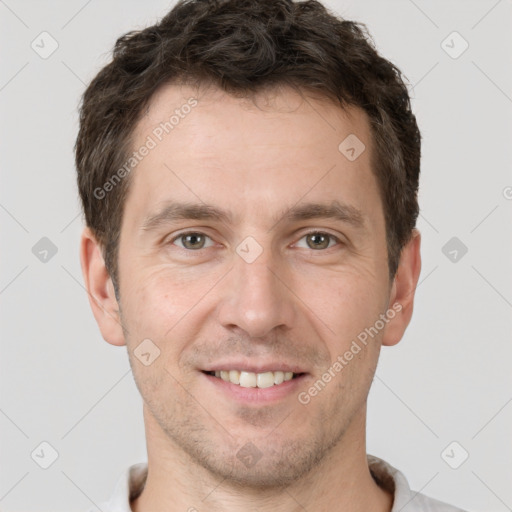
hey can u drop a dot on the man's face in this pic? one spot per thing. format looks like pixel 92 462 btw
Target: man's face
pixel 261 291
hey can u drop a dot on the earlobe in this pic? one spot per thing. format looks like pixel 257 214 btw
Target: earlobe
pixel 403 290
pixel 100 289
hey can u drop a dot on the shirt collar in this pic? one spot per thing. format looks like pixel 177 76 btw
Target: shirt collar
pixel 132 481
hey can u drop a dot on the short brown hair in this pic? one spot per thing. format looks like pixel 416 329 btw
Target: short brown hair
pixel 244 46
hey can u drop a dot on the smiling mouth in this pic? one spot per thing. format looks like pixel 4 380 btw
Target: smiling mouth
pixel 254 380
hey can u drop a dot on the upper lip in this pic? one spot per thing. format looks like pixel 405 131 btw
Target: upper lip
pixel 254 367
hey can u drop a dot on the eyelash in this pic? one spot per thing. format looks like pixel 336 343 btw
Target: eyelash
pixel 315 232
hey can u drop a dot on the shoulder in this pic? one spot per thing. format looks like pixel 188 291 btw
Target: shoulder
pixel 405 500
pixel 422 503
pixel 129 485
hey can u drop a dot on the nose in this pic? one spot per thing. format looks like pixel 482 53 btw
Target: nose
pixel 257 297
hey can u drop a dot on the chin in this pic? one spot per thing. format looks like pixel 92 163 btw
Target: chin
pixel 263 463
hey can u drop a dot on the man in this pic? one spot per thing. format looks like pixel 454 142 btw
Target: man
pixel 249 174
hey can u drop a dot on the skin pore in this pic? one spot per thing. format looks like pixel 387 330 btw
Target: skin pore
pixel 294 295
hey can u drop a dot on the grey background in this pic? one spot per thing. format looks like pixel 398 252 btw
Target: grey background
pixel 448 380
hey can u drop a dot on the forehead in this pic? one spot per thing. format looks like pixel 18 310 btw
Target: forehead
pixel 274 148
pixel 203 115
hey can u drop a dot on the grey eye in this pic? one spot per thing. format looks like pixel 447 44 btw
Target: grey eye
pixel 192 240
pixel 318 240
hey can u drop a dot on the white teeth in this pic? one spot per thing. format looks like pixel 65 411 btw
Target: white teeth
pixel 254 380
pixel 248 379
pixel 234 376
pixel 265 380
pixel 278 377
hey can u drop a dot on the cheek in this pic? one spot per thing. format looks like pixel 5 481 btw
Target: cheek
pixel 160 297
pixel 151 317
pixel 349 302
pixel 160 306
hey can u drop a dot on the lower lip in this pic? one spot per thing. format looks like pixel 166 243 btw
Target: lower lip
pixel 257 395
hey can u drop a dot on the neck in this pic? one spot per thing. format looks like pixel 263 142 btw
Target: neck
pixel 341 481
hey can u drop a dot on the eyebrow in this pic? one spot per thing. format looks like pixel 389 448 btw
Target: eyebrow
pixel 176 211
pixel 334 210
pixel 185 211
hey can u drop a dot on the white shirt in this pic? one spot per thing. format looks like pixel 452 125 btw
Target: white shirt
pixel 131 483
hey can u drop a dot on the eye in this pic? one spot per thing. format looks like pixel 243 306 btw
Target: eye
pixel 192 240
pixel 317 240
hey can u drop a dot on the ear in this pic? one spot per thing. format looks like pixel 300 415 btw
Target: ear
pixel 100 289
pixel 401 298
